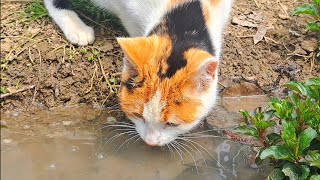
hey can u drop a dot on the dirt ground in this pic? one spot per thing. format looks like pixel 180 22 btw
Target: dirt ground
pixel 39 68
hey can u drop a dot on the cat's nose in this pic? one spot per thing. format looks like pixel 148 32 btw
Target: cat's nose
pixel 151 141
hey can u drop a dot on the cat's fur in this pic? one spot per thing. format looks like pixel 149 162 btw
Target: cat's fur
pixel 170 73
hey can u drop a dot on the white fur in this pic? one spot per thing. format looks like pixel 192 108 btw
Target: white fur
pixel 71 25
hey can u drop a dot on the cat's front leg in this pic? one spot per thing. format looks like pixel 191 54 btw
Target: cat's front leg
pixel 75 30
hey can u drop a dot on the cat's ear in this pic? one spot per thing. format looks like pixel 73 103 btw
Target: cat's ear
pixel 205 74
pixel 138 51
pixel 209 68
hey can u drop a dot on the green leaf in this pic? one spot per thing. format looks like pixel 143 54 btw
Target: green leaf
pixel 305 139
pixel 289 134
pixel 310 9
pixel 313 158
pixel 317 3
pixel 273 138
pixel 278 152
pixel 276 174
pixel 247 130
pixel 291 171
pixel 298 87
pixel 305 172
pixel 315 177
pixel 313 81
pixel 313 27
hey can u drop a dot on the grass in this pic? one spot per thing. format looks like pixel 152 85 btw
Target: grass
pixel 35 11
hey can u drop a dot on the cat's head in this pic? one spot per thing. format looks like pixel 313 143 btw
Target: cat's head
pixel 166 92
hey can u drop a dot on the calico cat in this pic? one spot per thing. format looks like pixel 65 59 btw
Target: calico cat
pixel 170 72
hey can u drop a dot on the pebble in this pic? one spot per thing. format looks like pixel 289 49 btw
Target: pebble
pixel 67 123
pixel 26 127
pixel 111 119
pixel 52 166
pixel 74 148
pixel 7 141
pixel 100 156
pixel 309 45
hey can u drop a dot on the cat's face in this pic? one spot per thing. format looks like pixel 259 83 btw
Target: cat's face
pixel 165 99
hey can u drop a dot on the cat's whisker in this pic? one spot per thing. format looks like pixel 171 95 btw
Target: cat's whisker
pixel 118 135
pixel 202 136
pixel 139 138
pixel 126 123
pixel 191 141
pixel 120 129
pixel 170 149
pixel 128 140
pixel 116 125
pixel 204 161
pixel 183 145
pixel 134 141
pixel 178 150
pixel 210 130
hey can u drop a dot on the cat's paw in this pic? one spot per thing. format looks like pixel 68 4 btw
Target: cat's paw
pixel 80 35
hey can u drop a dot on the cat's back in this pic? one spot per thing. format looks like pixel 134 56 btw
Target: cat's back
pixel 138 16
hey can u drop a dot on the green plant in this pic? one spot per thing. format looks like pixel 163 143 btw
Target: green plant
pixel 313 10
pixel 34 11
pixel 294 150
pixel 3 90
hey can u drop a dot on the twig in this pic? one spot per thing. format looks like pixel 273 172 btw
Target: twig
pixel 102 26
pixel 30 46
pixel 91 80
pixel 312 62
pixel 30 57
pixel 39 75
pixel 270 39
pixel 248 36
pixel 255 1
pixel 17 91
pixel 17 37
pixel 105 76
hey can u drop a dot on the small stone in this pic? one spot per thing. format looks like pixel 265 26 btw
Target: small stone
pixel 26 127
pixel 74 148
pixel 3 123
pixel 67 123
pixel 107 47
pixel 52 166
pixel 100 156
pixel 111 119
pixel 7 141
pixel 309 45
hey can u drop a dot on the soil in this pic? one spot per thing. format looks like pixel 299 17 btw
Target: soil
pixel 40 69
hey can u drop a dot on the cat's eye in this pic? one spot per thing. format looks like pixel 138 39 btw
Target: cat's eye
pixel 171 124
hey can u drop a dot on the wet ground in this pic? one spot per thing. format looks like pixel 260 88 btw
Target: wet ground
pixel 74 143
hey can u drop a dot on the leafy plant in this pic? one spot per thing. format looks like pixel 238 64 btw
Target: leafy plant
pixel 293 149
pixel 3 90
pixel 312 10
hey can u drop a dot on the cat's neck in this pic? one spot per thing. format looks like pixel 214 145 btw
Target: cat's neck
pixel 186 27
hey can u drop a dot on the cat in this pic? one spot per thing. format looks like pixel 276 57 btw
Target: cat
pixel 171 59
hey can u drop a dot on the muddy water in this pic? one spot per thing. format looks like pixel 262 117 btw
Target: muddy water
pixel 63 150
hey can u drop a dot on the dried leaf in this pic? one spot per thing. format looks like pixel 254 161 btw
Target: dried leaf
pixel 262 30
pixel 244 23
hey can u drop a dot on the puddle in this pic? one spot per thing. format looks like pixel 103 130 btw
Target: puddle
pixel 64 144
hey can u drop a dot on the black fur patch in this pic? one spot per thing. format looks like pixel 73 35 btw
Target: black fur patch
pixel 131 84
pixel 62 4
pixel 187 28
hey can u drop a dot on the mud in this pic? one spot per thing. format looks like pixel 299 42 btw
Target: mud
pixel 76 145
